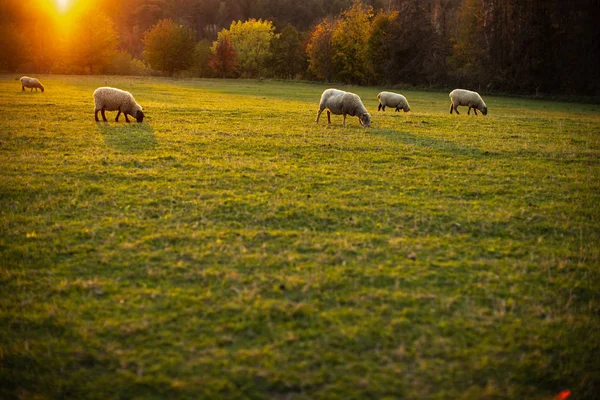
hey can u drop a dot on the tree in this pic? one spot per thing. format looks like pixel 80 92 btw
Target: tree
pixel 13 47
pixel 416 55
pixel 124 64
pixel 169 47
pixel 45 48
pixel 288 55
pixel 202 54
pixel 93 42
pixel 319 50
pixel 350 44
pixel 252 42
pixel 468 48
pixel 224 59
pixel 379 46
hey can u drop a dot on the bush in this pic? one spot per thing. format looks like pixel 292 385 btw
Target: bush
pixel 124 64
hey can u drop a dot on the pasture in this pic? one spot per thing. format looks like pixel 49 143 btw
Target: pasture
pixel 231 248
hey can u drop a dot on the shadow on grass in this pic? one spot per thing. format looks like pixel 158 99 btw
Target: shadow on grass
pixel 61 364
pixel 442 146
pixel 129 138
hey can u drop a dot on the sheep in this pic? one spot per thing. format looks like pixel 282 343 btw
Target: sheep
pixel 462 97
pixel 339 102
pixel 111 99
pixel 389 99
pixel 32 83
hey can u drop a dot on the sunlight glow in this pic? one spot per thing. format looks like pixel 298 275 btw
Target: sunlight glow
pixel 62 5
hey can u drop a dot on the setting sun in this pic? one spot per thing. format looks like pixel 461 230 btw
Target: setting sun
pixel 62 5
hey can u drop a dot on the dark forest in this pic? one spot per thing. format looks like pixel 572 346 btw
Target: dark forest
pixel 502 46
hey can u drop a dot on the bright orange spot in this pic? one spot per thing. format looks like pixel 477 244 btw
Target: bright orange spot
pixel 565 394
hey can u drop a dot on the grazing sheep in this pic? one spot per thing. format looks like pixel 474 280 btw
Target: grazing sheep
pixel 389 99
pixel 462 97
pixel 345 103
pixel 111 99
pixel 32 83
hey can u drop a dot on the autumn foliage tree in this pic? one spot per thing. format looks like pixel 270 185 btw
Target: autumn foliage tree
pixel 319 50
pixel 351 44
pixel 339 48
pixel 224 58
pixel 252 41
pixel 169 47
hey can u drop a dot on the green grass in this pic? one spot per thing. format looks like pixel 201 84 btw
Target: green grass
pixel 229 247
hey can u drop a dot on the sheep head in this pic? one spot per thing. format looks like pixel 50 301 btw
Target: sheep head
pixel 139 116
pixel 365 120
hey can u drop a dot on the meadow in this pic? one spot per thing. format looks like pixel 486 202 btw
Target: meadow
pixel 231 248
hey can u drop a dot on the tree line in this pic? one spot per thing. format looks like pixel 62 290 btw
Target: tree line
pixel 518 46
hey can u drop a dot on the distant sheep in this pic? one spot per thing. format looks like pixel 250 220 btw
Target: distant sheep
pixel 395 100
pixel 32 83
pixel 462 97
pixel 345 103
pixel 111 99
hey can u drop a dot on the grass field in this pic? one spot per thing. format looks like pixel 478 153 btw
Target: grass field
pixel 231 248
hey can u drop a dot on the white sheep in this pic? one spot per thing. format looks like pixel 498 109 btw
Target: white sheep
pixel 389 99
pixel 462 97
pixel 345 103
pixel 32 83
pixel 111 99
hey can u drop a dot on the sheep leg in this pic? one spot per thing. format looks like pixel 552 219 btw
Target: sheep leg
pixel 456 109
pixel 118 114
pixel 344 119
pixel 319 114
pixel 474 109
pixel 469 111
pixel 397 109
pixel 126 119
pixel 103 115
pixel 23 89
pixel 381 107
pixel 96 115
pixel 451 107
pixel 329 116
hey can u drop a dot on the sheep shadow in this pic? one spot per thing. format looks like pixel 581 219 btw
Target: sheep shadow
pixel 442 146
pixel 128 138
